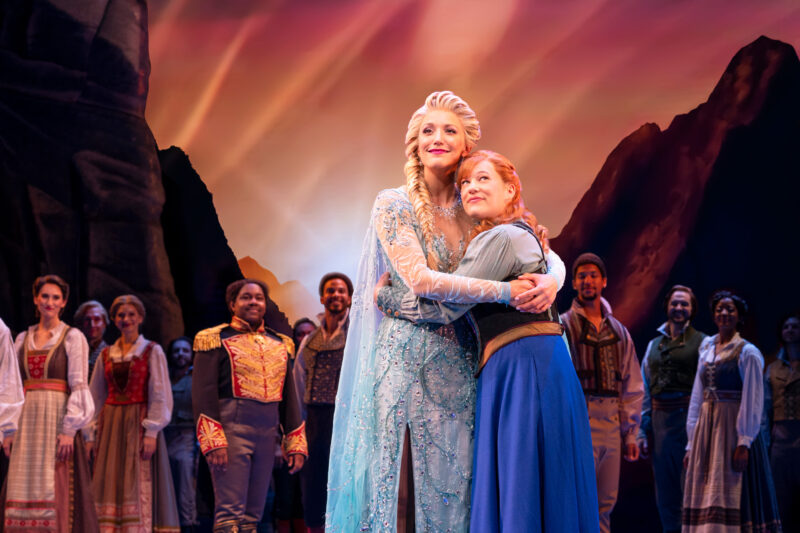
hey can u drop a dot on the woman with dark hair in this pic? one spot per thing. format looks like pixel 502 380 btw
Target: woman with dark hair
pixel 48 487
pixel 130 386
pixel 782 416
pixel 728 483
pixel 179 434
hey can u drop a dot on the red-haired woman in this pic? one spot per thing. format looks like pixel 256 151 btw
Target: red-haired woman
pixel 48 487
pixel 131 387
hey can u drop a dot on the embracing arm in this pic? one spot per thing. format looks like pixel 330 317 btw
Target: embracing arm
pixel 490 255
pixel 394 224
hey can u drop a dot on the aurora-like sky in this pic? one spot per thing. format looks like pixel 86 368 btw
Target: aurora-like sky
pixel 294 112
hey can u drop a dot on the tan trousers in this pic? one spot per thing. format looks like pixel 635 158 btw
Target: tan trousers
pixel 607 447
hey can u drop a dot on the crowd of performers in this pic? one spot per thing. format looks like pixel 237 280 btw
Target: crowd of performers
pixel 441 392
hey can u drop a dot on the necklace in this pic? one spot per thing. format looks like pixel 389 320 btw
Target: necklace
pixel 448 212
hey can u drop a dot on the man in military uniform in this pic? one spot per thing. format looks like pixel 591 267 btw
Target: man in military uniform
pixel 240 394
pixel 607 367
pixel 316 370
pixel 668 370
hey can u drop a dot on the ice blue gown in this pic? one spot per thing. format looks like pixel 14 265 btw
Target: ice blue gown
pixel 533 465
pixel 396 375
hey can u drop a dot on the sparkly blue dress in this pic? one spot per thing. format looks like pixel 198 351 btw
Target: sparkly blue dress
pixel 398 375
pixel 533 467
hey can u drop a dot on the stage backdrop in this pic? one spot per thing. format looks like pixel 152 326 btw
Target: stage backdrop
pixel 294 113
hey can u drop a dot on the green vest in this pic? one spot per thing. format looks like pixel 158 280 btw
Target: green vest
pixel 672 363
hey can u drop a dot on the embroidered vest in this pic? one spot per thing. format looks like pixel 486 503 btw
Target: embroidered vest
pixel 127 380
pixel 672 363
pixel 785 391
pixel 323 360
pixel 44 369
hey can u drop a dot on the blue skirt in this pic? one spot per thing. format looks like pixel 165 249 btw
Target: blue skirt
pixel 533 467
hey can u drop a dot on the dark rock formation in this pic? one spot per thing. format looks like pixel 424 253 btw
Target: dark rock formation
pixel 80 184
pixel 81 191
pixel 199 254
pixel 709 202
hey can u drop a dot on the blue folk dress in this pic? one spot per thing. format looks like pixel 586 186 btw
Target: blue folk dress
pixel 397 376
pixel 533 465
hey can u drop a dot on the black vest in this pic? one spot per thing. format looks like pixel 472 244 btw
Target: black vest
pixel 492 319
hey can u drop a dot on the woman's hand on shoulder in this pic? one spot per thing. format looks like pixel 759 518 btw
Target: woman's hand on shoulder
pixel 539 297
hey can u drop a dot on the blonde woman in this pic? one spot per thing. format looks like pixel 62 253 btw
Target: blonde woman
pixel 131 388
pixel 401 380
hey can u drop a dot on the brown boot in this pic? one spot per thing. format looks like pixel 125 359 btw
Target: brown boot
pixel 227 526
pixel 248 527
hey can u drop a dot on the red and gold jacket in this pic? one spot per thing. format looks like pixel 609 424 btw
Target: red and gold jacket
pixel 235 361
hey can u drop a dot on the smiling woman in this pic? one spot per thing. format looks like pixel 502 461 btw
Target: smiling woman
pixel 48 478
pixel 131 389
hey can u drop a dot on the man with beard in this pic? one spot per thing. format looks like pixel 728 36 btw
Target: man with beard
pixel 668 369
pixel 239 395
pixel 316 371
pixel 607 367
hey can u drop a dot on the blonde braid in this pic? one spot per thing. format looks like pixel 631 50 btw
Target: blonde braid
pixel 418 192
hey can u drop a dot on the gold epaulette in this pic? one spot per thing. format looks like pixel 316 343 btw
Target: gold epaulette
pixel 208 339
pixel 287 341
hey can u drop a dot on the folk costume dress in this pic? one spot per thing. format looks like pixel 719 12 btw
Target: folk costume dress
pixel 11 394
pixel 725 412
pixel 533 469
pixel 240 396
pixel 133 391
pixel 398 376
pixel 43 494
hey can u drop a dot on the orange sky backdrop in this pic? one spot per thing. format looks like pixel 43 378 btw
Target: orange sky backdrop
pixel 294 112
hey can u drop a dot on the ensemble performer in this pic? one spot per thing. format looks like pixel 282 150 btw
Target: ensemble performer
pixel 728 480
pixel 11 395
pixel 240 393
pixel 533 467
pixel 403 382
pixel 782 417
pixel 130 385
pixel 668 370
pixel 48 487
pixel 179 433
pixel 606 364
pixel 316 372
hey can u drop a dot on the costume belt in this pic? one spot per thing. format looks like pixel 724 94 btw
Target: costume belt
pixel 713 395
pixel 682 402
pixel 531 329
pixel 58 385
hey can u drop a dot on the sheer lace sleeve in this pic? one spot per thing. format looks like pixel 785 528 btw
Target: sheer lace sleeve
pixel 394 224
pixel 490 255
